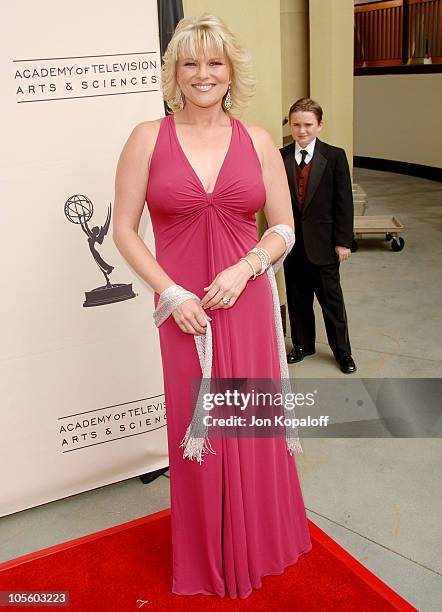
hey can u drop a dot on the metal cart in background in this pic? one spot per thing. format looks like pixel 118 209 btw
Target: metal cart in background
pixel 368 225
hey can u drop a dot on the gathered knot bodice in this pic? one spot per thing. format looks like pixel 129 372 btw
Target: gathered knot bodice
pixel 190 223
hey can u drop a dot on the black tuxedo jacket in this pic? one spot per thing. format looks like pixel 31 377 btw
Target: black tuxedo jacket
pixel 326 218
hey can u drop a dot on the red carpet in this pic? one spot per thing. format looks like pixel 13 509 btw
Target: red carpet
pixel 112 569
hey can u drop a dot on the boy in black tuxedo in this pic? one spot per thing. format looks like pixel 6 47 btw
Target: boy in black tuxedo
pixel 322 201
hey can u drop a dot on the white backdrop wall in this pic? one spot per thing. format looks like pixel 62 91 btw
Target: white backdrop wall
pixel 81 392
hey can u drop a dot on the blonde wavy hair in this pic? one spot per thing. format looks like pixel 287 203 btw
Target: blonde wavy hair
pixel 199 36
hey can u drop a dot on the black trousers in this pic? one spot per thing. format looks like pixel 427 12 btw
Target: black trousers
pixel 304 280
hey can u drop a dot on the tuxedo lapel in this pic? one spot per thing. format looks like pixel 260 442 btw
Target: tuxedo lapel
pixel 290 168
pixel 319 163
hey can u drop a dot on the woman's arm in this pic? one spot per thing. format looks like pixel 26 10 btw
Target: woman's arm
pixel 278 206
pixel 130 193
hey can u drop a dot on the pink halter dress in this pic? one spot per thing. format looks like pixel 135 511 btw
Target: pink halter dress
pixel 239 515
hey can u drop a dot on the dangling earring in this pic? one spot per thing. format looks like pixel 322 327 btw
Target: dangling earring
pixel 179 98
pixel 228 99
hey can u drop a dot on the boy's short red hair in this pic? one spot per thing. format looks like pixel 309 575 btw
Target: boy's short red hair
pixel 306 105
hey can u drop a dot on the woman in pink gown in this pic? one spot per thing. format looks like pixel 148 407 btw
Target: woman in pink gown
pixel 238 515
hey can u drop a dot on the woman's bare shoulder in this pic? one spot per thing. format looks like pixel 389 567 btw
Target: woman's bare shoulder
pixel 262 140
pixel 145 132
pixel 260 134
pixel 141 142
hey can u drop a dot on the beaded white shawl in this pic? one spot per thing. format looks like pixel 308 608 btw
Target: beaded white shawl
pixel 196 442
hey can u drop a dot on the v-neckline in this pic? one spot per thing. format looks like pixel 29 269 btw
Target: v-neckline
pixel 208 193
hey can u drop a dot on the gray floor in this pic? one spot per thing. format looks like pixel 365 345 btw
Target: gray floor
pixel 379 498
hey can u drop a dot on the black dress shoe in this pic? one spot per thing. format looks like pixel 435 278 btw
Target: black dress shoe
pixel 297 354
pixel 347 365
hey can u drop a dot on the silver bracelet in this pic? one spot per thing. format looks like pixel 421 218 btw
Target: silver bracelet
pixel 264 257
pixel 250 264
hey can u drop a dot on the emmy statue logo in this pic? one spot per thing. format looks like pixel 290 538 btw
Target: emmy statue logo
pixel 79 210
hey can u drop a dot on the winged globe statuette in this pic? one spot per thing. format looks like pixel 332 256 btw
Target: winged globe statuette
pixel 79 209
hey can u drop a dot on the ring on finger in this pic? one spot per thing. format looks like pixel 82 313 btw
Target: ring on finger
pixel 226 301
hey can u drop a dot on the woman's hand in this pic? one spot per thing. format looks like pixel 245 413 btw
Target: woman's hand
pixel 191 318
pixel 229 283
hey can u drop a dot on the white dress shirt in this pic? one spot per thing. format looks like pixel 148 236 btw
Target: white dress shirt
pixel 310 148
